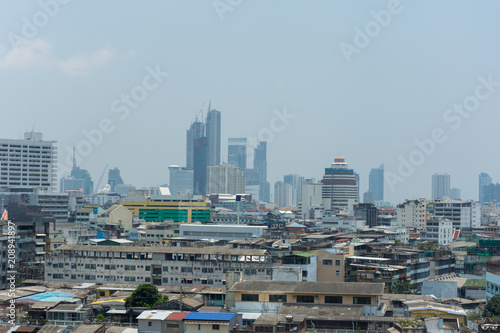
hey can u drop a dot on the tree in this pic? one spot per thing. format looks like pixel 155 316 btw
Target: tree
pixel 101 318
pixel 403 286
pixel 492 308
pixel 145 296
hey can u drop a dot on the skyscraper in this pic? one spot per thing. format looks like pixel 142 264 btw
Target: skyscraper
pixel 455 193
pixel 200 161
pixel 376 182
pixel 225 179
pixel 339 185
pixel 181 180
pixel 195 131
pixel 440 186
pixel 296 181
pixel 114 178
pixel 237 152
pixel 213 129
pixel 260 163
pixel 283 193
pixel 484 179
pixel 29 162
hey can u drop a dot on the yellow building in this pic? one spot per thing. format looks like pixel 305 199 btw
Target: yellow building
pixel 175 210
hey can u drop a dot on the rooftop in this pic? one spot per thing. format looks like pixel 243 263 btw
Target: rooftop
pixel 336 288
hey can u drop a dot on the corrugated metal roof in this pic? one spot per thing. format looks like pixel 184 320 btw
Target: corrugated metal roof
pixel 209 316
pixel 177 316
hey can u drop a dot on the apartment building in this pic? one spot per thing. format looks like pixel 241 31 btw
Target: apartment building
pixel 269 296
pixel 158 265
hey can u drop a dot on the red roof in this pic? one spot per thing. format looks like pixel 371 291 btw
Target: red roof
pixel 176 316
pixel 342 240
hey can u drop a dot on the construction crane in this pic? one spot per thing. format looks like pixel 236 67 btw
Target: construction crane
pixel 100 179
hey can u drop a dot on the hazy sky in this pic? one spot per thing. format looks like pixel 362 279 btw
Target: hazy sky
pixel 316 78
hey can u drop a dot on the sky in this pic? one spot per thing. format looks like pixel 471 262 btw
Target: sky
pixel 414 85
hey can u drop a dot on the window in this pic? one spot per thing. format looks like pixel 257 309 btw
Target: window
pixel 249 297
pixel 362 300
pixel 165 268
pixel 149 323
pixel 277 298
pixel 187 269
pixel 215 327
pixel 327 262
pixel 333 299
pixel 337 273
pixel 337 262
pixel 305 299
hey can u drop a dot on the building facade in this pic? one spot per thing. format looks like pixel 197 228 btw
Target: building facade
pixel 376 182
pixel 213 129
pixel 157 265
pixel 340 188
pixel 28 162
pixel 227 179
pixel 237 152
pixel 440 186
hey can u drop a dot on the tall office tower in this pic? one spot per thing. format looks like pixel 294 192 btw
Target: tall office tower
pixel 181 180
pixel 455 194
pixel 237 152
pixel 339 185
pixel 367 212
pixel 440 186
pixel 484 179
pixel 376 182
pixel 225 179
pixel 200 161
pixel 369 197
pixel 283 194
pixel 260 163
pixel 213 130
pixel 296 181
pixel 195 131
pixel 356 176
pixel 114 178
pixel 83 174
pixel 29 162
pixel 491 193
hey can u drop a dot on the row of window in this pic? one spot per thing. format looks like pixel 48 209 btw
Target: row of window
pixel 304 299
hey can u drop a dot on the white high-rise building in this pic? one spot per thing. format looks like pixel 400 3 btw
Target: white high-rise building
pixel 226 179
pixel 440 186
pixel 283 194
pixel 311 198
pixel 463 214
pixel 29 162
pixel 411 214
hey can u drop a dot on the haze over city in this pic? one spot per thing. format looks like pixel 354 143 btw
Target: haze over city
pixel 313 80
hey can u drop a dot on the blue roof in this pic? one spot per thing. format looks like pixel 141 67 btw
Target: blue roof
pixel 215 316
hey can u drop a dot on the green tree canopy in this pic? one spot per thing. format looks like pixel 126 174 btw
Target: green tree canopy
pixel 146 296
pixel 402 286
pixel 492 308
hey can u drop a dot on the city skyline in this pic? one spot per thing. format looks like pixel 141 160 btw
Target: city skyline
pixel 291 82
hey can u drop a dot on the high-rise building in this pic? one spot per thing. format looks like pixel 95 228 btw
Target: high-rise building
pixel 260 163
pixel 366 212
pixel 195 131
pixel 114 178
pixel 369 197
pixel 296 181
pixel 440 186
pixel 484 179
pixel 225 179
pixel 455 193
pixel 376 182
pixel 283 194
pixel 340 188
pixel 70 183
pixel 463 214
pixel 213 131
pixel 28 162
pixel 200 161
pixel 237 152
pixel 491 193
pixel 88 184
pixel 181 180
pixel 311 198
